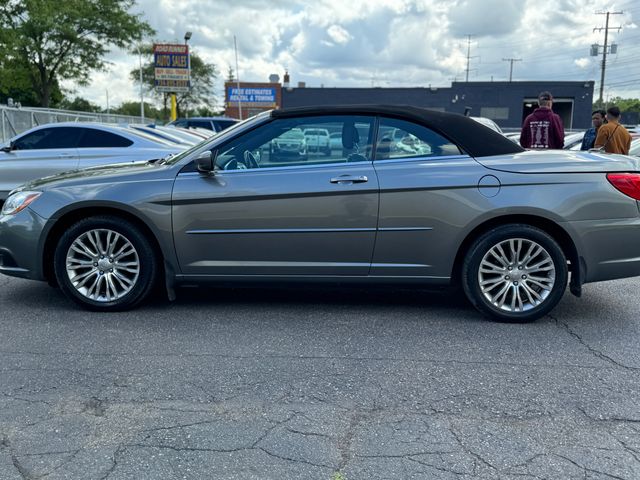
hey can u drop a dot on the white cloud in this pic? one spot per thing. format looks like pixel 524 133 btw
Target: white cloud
pixel 338 34
pixel 387 42
pixel 582 62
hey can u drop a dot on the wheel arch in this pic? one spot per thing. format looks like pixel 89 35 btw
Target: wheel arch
pixel 556 231
pixel 73 216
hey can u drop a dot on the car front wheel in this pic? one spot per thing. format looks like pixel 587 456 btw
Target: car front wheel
pixel 105 263
pixel 515 273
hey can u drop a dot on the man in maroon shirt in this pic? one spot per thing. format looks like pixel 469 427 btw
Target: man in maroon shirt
pixel 543 128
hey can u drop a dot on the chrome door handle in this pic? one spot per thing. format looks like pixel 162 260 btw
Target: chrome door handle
pixel 349 179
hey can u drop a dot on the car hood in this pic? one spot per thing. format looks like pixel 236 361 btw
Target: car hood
pixel 561 161
pixel 111 173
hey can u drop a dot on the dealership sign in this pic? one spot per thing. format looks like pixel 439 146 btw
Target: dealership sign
pixel 251 97
pixel 172 67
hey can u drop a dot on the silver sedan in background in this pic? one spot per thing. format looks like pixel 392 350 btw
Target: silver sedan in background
pixel 512 227
pixel 59 147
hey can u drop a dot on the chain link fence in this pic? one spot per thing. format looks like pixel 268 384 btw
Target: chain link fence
pixel 16 120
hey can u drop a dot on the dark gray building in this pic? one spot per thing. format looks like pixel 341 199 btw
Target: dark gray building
pixel 507 103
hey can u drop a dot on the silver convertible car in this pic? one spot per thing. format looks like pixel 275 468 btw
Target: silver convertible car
pixel 464 206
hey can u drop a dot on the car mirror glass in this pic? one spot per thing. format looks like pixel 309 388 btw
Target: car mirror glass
pixel 205 162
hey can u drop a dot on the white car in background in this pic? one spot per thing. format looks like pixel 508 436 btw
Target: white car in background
pixel 172 135
pixel 59 147
pixel 318 140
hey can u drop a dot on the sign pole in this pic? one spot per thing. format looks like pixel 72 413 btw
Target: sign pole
pixel 174 107
pixel 141 87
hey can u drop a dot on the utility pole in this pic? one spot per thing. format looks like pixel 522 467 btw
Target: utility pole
pixel 604 50
pixel 469 57
pixel 511 60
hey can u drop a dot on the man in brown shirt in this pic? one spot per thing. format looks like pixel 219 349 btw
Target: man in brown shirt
pixel 613 136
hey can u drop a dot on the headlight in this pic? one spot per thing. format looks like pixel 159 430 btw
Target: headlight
pixel 19 201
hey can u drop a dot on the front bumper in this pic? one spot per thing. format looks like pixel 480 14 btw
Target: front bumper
pixel 20 239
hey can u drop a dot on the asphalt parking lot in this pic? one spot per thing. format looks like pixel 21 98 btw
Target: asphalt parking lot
pixel 318 384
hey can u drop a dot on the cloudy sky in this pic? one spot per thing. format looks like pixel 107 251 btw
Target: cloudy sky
pixel 390 43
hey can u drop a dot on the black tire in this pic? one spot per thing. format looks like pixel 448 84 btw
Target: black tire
pixel 538 299
pixel 138 285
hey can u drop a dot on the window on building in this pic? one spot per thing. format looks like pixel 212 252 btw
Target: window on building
pixel 495 113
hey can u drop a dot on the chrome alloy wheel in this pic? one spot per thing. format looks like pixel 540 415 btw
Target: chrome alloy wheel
pixel 516 275
pixel 102 265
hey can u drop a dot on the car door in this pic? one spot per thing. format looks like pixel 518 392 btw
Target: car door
pixel 300 214
pixel 429 189
pixel 37 154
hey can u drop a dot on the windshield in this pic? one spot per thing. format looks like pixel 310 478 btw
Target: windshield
pixel 205 145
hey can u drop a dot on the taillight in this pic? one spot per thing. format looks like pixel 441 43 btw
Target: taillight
pixel 627 183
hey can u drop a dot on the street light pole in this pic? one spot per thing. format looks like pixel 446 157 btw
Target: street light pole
pixel 235 47
pixel 141 85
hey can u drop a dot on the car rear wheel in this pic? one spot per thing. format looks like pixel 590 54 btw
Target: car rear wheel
pixel 515 273
pixel 105 263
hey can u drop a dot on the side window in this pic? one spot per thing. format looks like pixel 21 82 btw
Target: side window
pixel 48 138
pixel 201 124
pixel 402 139
pixel 301 141
pixel 222 124
pixel 94 138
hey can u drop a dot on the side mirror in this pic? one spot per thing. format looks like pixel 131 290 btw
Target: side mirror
pixel 8 148
pixel 204 162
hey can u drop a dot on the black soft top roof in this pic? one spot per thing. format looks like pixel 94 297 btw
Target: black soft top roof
pixel 474 138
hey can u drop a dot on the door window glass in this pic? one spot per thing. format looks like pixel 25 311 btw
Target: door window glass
pixel 402 139
pixel 201 124
pixel 48 138
pixel 300 141
pixel 94 138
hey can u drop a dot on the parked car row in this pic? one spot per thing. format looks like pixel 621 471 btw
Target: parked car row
pixel 59 147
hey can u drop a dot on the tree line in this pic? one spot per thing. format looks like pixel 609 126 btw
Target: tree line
pixel 45 41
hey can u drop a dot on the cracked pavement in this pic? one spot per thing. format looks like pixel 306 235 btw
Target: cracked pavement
pixel 318 383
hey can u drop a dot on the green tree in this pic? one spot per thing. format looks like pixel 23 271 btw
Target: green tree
pixel 15 83
pixel 624 104
pixel 52 39
pixel 79 104
pixel 133 109
pixel 627 104
pixel 230 75
pixel 200 97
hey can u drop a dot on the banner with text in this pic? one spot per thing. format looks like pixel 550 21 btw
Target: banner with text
pixel 172 67
pixel 251 97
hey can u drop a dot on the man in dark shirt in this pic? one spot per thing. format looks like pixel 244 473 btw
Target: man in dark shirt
pixel 597 119
pixel 543 128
